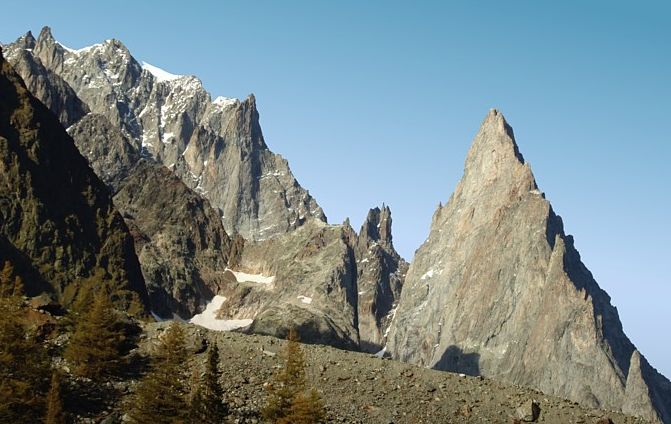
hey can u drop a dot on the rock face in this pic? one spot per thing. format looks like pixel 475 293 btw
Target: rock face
pixel 334 286
pixel 179 239
pixel 215 146
pixel 498 289
pixel 111 155
pixel 380 275
pixel 310 283
pixel 44 84
pixel 57 221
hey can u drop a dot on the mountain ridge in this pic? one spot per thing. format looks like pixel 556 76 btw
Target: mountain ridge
pixel 498 289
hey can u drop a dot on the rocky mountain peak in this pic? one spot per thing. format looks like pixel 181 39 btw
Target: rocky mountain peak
pixel 497 275
pixel 26 41
pixel 377 226
pixel 45 35
pixel 495 171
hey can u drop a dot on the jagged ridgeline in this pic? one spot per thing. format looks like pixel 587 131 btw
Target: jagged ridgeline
pixel 498 289
pixel 57 222
pixel 187 171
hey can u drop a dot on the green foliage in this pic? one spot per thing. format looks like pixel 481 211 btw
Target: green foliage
pixel 55 414
pixel 24 366
pixel 97 345
pixel 289 401
pixel 207 402
pixel 161 395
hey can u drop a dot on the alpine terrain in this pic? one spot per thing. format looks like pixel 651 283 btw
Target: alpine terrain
pixel 498 290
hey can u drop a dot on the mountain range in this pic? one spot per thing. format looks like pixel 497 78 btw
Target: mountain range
pixel 182 204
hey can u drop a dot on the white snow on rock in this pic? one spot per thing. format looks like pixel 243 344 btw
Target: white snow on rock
pixel 223 102
pixel 159 73
pixel 426 275
pixel 208 318
pixel 305 299
pixel 243 277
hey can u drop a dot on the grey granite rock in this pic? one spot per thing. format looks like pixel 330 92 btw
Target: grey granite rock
pixel 215 146
pixel 44 84
pixel 498 289
pixel 380 275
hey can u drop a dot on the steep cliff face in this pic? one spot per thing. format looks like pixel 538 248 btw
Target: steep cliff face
pixel 57 220
pixel 179 238
pixel 44 84
pixel 498 289
pixel 380 275
pixel 327 281
pixel 305 279
pixel 215 146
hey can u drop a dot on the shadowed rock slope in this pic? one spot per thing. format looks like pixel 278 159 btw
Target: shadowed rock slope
pixel 498 289
pixel 57 221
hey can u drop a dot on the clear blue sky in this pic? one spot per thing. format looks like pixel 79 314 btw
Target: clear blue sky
pixel 378 101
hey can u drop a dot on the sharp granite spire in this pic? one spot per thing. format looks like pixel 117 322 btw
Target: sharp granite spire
pixel 498 289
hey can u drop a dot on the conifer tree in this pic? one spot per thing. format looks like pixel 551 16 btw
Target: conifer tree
pixel 207 403
pixel 161 395
pixel 55 414
pixel 288 401
pixel 23 362
pixel 97 345
pixel 306 408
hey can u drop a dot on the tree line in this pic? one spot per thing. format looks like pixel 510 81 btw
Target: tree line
pixel 31 388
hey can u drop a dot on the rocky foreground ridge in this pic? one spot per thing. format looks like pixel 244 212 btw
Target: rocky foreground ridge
pixel 498 289
pixel 364 388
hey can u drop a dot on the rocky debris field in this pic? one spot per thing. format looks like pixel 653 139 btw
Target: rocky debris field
pixel 363 388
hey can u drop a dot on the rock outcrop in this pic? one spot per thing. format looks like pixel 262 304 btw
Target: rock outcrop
pixel 498 289
pixel 215 146
pixel 43 83
pixel 179 239
pixel 57 220
pixel 380 275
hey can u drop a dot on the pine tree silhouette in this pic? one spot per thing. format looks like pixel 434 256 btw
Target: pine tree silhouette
pixel 97 345
pixel 207 403
pixel 287 400
pixel 161 395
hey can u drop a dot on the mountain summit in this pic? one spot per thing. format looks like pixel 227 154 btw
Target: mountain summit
pixel 498 289
pixel 215 146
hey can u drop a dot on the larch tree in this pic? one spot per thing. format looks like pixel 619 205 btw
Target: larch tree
pixel 97 345
pixel 161 396
pixel 24 365
pixel 207 403
pixel 288 399
pixel 55 414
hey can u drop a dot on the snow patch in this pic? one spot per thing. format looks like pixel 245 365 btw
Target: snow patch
pixel 381 353
pixel 224 102
pixel 208 318
pixel 305 299
pixel 243 277
pixel 159 73
pixel 427 274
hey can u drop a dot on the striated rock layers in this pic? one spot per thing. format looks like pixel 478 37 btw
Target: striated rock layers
pixel 215 146
pixel 57 221
pixel 498 289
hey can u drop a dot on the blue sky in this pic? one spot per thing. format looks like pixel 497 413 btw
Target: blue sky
pixel 377 102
